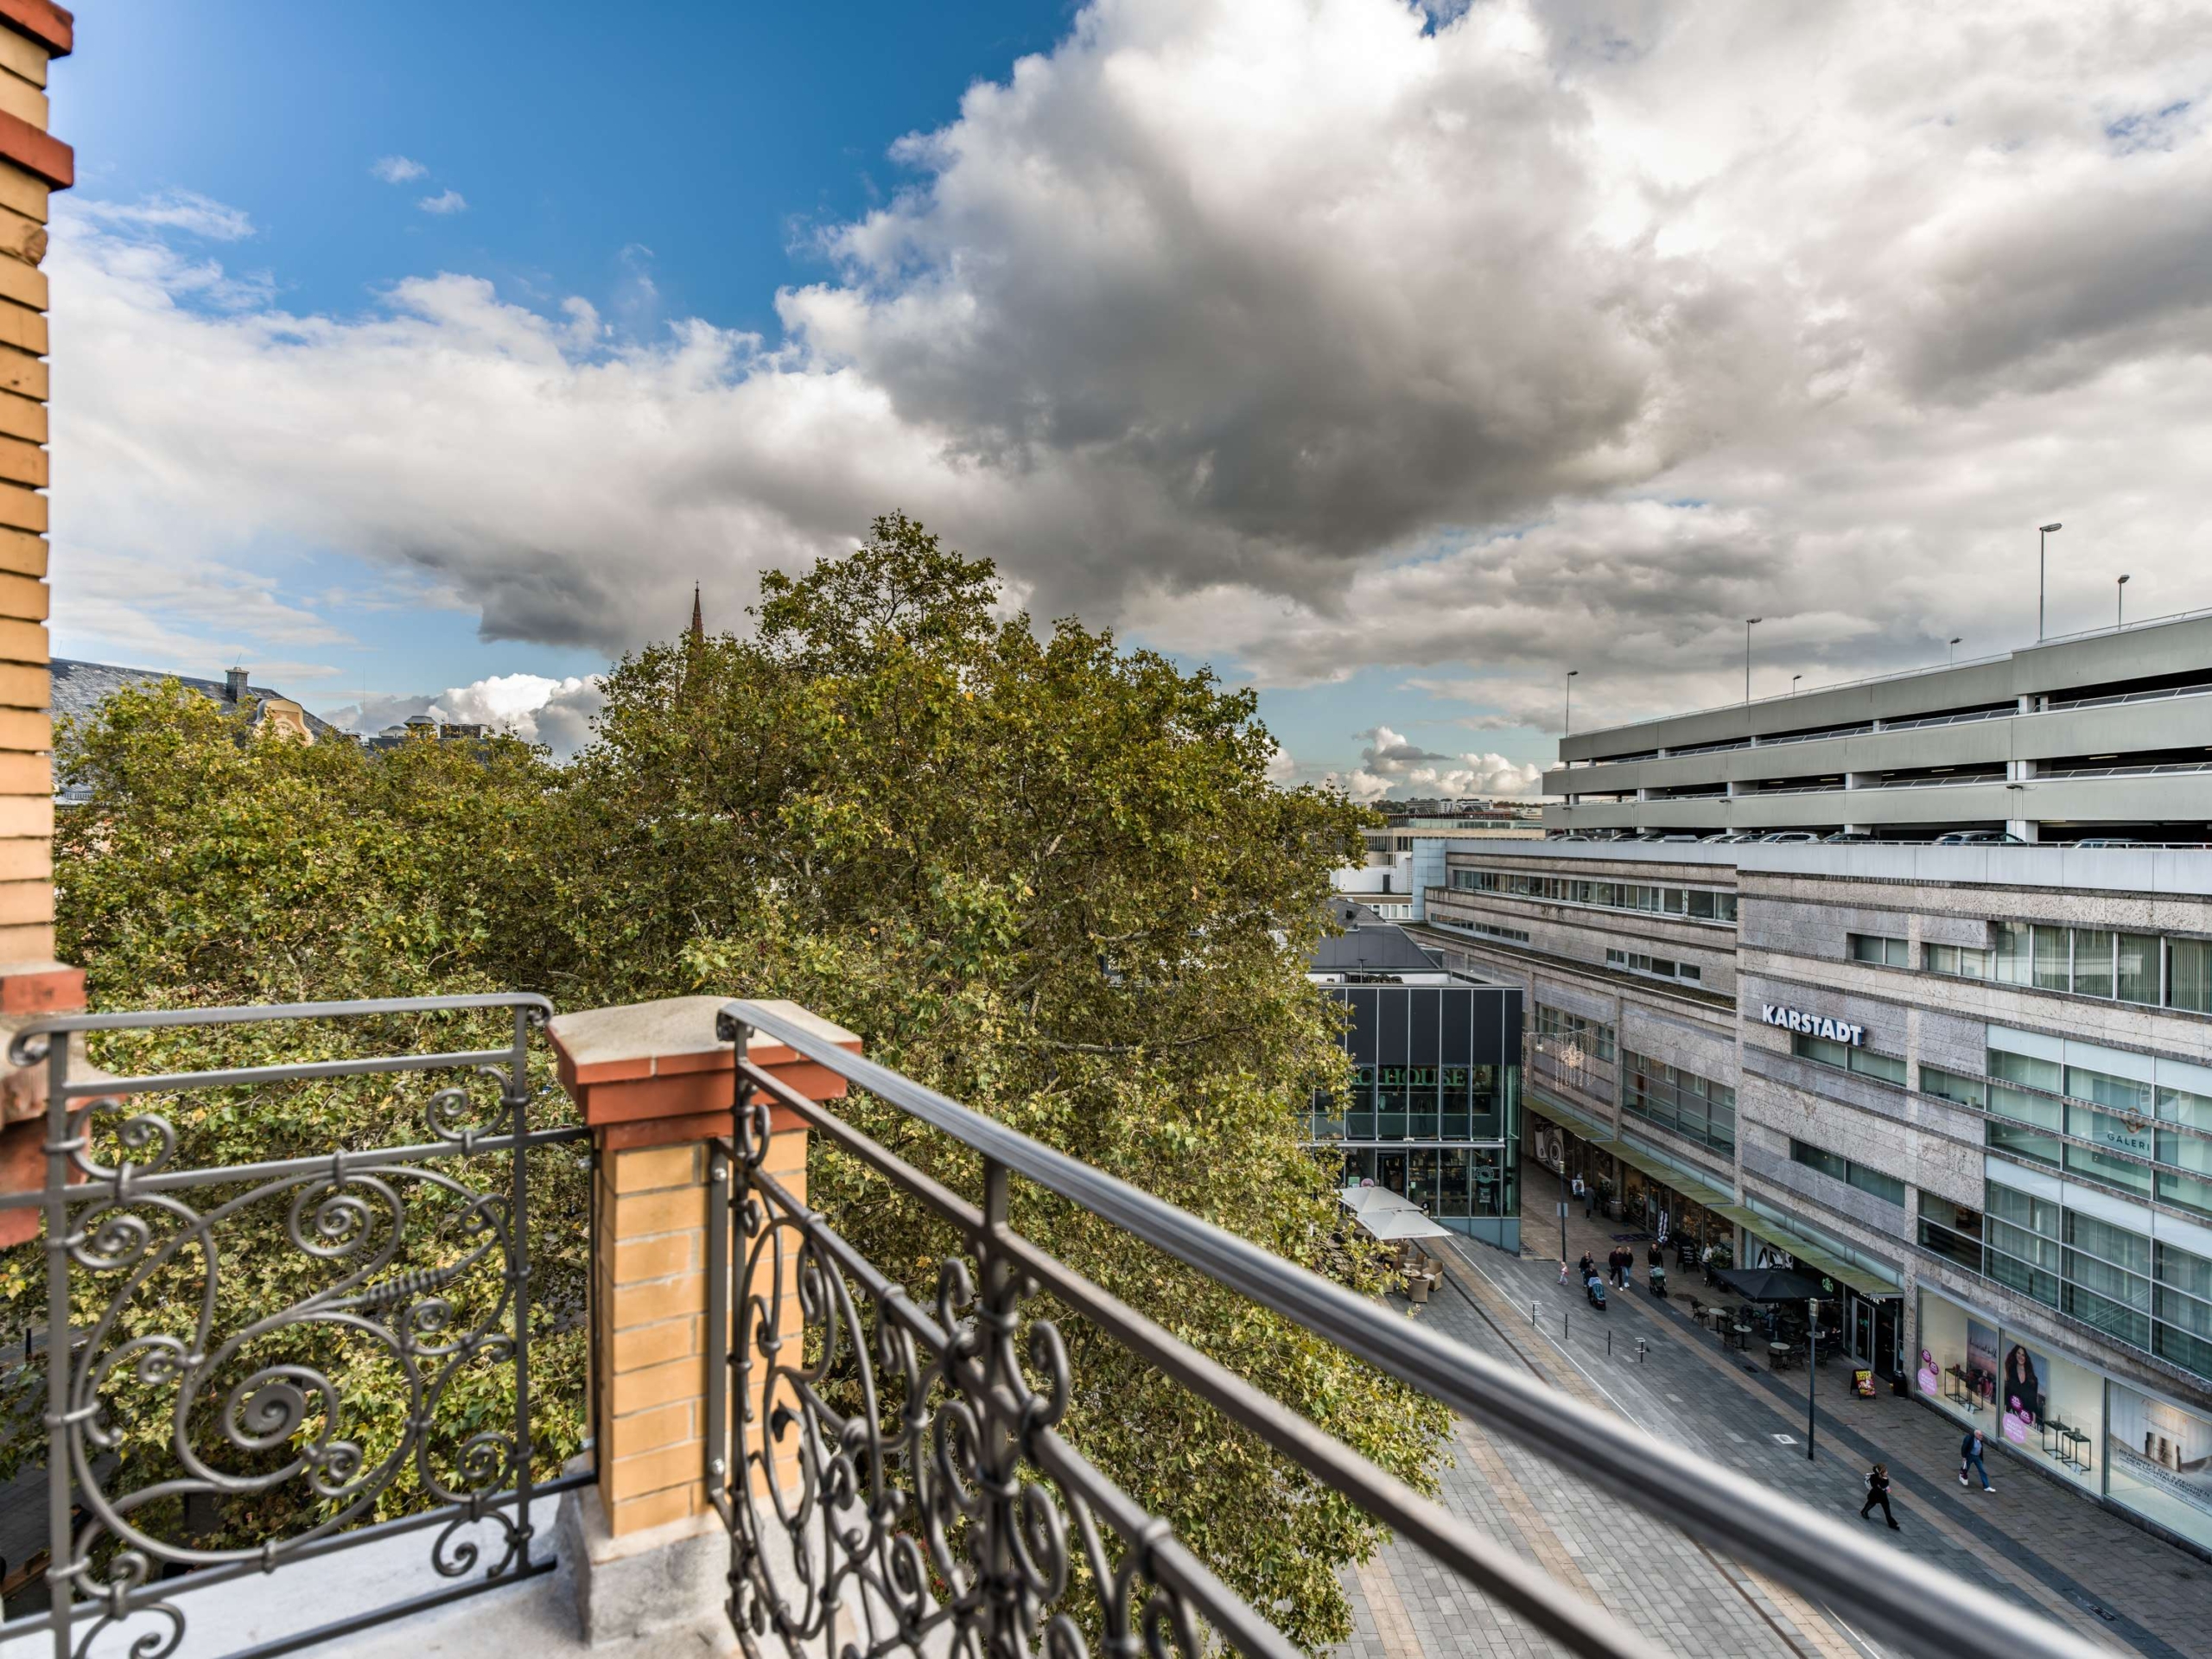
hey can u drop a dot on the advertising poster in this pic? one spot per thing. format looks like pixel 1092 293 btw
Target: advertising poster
pixel 1931 1379
pixel 2161 1452
pixel 1982 1358
pixel 2021 1388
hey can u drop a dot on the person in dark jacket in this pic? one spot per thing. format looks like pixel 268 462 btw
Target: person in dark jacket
pixel 1877 1491
pixel 1970 1457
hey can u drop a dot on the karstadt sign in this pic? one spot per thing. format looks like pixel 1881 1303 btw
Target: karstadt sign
pixel 1813 1025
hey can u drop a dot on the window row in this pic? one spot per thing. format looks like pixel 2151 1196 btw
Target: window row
pixel 2156 970
pixel 1698 904
pixel 1443 1181
pixel 1594 1038
pixel 2142 1291
pixel 1886 1187
pixel 1846 1058
pixel 1695 1107
pixel 1636 961
pixel 2151 1140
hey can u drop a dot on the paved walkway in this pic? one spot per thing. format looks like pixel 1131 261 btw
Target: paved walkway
pixel 2033 1542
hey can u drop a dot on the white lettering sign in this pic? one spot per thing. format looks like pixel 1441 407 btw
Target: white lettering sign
pixel 1813 1025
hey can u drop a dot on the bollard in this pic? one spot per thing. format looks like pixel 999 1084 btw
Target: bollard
pixel 1609 1342
pixel 1642 1349
pixel 1562 1327
pixel 1532 1314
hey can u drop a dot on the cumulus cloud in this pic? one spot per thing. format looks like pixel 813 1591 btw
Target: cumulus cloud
pixel 1483 341
pixel 1392 764
pixel 396 169
pixel 446 202
pixel 532 707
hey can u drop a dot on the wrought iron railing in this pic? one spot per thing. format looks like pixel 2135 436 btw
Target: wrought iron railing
pixel 957 1529
pixel 271 1445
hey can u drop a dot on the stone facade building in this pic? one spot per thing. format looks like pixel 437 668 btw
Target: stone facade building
pixel 1970 1086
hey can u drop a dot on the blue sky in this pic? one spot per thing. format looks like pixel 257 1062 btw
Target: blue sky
pixel 1400 366
pixel 664 165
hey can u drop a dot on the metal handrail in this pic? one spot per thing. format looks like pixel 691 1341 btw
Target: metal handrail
pixel 1929 1611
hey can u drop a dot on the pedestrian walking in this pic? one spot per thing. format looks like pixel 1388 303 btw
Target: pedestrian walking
pixel 1970 1457
pixel 1582 1191
pixel 1653 1257
pixel 1877 1491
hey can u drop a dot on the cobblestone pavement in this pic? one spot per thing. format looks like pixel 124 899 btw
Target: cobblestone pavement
pixel 2031 1542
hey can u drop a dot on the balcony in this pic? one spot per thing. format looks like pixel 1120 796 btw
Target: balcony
pixel 789 1450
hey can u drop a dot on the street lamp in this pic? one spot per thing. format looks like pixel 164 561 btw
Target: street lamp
pixel 1750 622
pixel 1956 641
pixel 2043 540
pixel 1794 678
pixel 1812 1359
pixel 1569 726
pixel 2119 606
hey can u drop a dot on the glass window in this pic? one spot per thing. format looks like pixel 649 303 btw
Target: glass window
pixel 1875 947
pixel 2054 969
pixel 1867 1063
pixel 2156 1458
pixel 1951 1230
pixel 2125 1093
pixel 1952 1085
pixel 1819 1049
pixel 2026 1069
pixel 1958 960
pixel 2092 961
pixel 2189 975
pixel 1826 1162
pixel 2136 979
pixel 2127 1251
pixel 2011 953
pixel 1701 904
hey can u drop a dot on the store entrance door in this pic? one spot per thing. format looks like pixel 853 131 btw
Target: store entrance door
pixel 1889 1341
pixel 1390 1171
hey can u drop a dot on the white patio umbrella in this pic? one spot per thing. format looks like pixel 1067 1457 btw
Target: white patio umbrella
pixel 1391 1223
pixel 1364 1200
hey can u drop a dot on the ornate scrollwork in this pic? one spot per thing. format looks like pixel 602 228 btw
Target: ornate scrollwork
pixel 896 1481
pixel 263 1408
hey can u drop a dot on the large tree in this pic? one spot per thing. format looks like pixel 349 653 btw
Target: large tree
pixel 1041 871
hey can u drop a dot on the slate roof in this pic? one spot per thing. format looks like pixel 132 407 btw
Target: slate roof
pixel 1376 947
pixel 79 689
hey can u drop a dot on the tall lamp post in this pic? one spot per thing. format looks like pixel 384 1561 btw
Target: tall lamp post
pixel 1956 641
pixel 2119 605
pixel 1750 622
pixel 1812 1361
pixel 2043 542
pixel 1794 678
pixel 1569 726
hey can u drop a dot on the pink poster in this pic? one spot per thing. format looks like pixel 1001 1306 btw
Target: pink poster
pixel 1930 1381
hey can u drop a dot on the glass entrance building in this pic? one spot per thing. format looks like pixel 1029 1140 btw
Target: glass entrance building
pixel 1434 1107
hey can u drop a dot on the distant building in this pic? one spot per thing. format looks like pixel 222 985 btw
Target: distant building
pixel 423 728
pixel 80 689
pixel 1406 856
pixel 1435 1108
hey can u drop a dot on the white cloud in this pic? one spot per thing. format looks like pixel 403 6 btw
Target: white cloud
pixel 396 169
pixel 446 202
pixel 184 211
pixel 532 707
pixel 1393 764
pixel 1490 342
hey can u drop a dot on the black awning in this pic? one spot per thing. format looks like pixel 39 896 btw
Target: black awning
pixel 1773 1284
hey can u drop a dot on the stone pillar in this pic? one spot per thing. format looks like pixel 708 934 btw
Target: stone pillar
pixel 646 1550
pixel 33 165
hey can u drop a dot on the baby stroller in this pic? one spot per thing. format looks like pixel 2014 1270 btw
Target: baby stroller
pixel 1659 1282
pixel 1595 1289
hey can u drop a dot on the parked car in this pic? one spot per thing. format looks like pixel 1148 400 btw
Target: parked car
pixel 1848 837
pixel 1980 838
pixel 1790 834
pixel 1732 837
pixel 2108 841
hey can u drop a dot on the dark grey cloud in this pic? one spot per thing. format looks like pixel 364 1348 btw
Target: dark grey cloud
pixel 1486 342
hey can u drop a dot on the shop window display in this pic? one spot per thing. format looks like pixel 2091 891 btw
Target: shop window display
pixel 2161 1462
pixel 2013 1388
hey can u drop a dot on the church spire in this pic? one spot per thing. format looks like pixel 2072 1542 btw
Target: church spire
pixel 698 622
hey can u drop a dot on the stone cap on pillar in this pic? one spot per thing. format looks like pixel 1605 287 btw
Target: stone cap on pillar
pixel 651 1074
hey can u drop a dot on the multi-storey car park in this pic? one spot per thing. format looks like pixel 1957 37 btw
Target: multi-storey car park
pixel 2099 735
pixel 1970 1086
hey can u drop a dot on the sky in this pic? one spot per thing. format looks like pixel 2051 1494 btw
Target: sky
pixel 1397 360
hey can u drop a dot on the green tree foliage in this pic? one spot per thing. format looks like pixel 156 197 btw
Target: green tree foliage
pixel 1042 871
